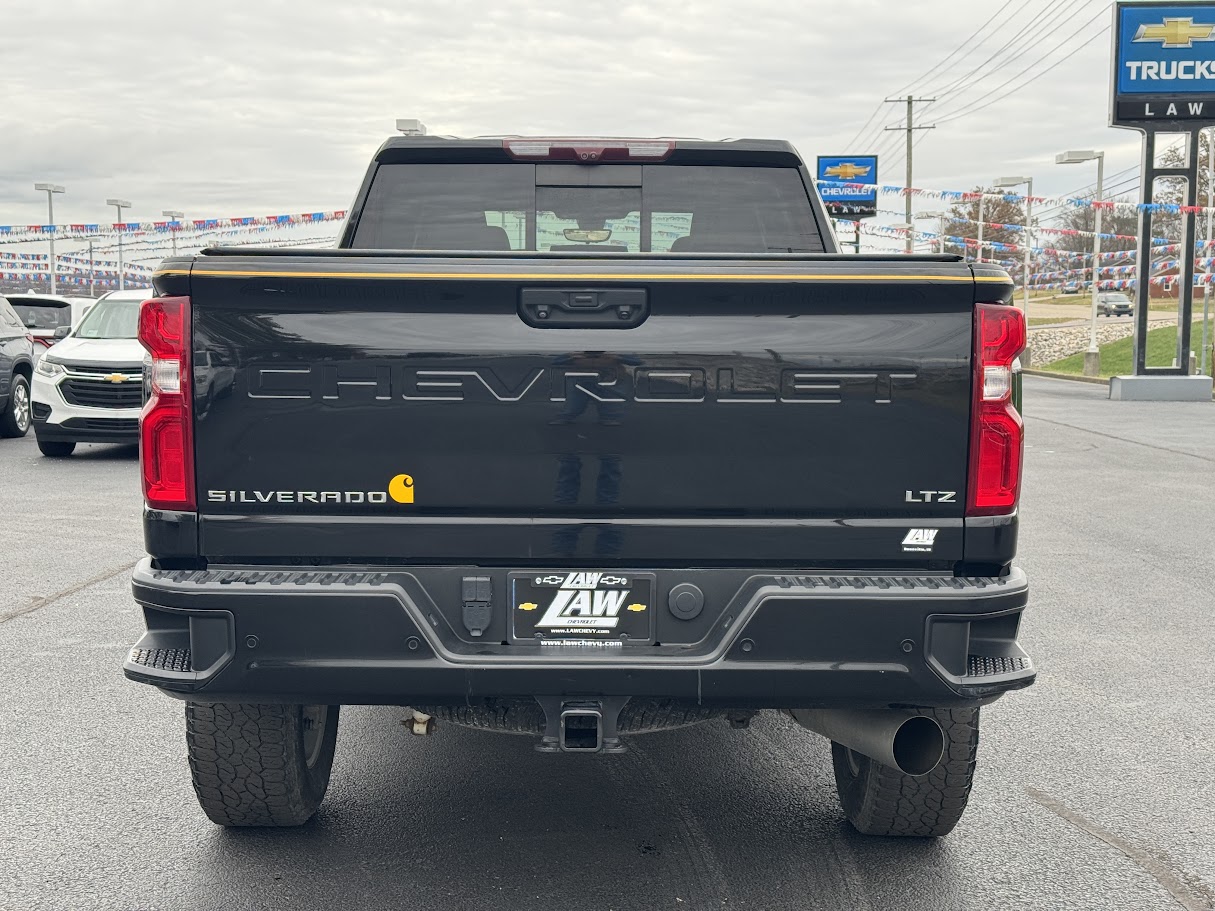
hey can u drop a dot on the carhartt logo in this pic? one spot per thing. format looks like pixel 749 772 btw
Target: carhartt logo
pixel 847 170
pixel 1175 33
pixel 920 540
pixel 400 488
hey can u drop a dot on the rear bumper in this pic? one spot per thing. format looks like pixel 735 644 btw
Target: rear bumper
pixel 378 637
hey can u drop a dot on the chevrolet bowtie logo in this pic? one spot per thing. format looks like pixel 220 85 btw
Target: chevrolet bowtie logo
pixel 846 170
pixel 116 378
pixel 1176 33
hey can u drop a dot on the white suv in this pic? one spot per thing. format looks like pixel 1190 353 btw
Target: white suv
pixel 89 387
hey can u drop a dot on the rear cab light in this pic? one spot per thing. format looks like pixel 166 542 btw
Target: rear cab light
pixel 997 435
pixel 166 435
pixel 589 151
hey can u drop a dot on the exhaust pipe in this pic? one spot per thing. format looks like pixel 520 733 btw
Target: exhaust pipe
pixel 912 744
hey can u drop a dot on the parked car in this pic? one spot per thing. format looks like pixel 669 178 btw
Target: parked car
pixel 1114 305
pixel 90 387
pixel 44 314
pixel 570 491
pixel 1073 288
pixel 16 367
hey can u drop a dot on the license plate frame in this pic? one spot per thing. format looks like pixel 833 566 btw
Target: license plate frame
pixel 591 610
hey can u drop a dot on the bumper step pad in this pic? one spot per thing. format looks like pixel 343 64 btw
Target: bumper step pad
pixel 162 659
pixel 993 666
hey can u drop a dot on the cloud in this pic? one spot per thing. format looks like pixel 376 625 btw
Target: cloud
pixel 236 108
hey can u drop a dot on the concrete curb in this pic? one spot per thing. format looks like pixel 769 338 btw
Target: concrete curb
pixel 1100 381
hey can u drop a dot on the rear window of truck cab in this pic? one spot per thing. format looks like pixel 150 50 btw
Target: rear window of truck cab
pixel 628 209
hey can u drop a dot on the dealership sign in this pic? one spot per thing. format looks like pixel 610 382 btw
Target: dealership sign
pixel 836 172
pixel 1164 63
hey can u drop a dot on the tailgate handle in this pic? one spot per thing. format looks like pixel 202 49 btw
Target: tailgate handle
pixel 584 308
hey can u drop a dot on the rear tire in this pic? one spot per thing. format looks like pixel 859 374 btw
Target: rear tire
pixel 879 800
pixel 15 422
pixel 55 448
pixel 260 765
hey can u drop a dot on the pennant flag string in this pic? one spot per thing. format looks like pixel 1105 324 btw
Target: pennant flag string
pixel 1059 201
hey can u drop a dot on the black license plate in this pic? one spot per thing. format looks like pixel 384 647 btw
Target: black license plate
pixel 583 606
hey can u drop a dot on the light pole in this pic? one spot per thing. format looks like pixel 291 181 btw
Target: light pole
pixel 51 189
pixel 1004 182
pixel 120 204
pixel 173 234
pixel 982 197
pixel 1092 357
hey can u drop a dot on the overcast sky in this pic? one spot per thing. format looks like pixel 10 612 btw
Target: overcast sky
pixel 268 106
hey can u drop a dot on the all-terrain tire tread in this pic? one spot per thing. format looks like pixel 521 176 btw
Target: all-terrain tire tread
pixel 247 767
pixel 883 801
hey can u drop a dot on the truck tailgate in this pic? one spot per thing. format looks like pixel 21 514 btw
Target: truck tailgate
pixel 421 409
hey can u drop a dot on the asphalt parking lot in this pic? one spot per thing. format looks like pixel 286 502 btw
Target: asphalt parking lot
pixel 1094 791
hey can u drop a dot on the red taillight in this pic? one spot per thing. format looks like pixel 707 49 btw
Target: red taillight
pixel 166 443
pixel 589 151
pixel 996 433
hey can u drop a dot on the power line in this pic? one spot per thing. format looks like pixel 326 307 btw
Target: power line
pixel 1029 41
pixel 970 45
pixel 980 44
pixel 1025 35
pixel 1027 81
pixel 973 106
pixel 1023 39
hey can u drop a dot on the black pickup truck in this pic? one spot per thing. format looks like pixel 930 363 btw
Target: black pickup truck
pixel 580 439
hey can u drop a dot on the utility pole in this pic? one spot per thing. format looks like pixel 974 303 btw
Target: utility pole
pixel 911 101
pixel 92 271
